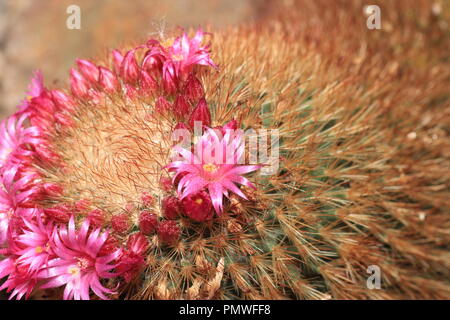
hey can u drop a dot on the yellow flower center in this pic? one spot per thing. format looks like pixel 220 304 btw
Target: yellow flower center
pixel 167 43
pixel 209 167
pixel 39 249
pixel 199 201
pixel 74 271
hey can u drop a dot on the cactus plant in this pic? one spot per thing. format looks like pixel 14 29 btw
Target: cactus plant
pixel 95 195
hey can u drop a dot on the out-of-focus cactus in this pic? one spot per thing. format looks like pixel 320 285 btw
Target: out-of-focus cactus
pixel 96 195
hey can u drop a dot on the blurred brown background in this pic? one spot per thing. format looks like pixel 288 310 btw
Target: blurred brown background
pixel 33 33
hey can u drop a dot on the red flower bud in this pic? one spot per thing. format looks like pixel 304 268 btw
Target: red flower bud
pixel 148 82
pixel 46 153
pixel 44 105
pixel 148 222
pixel 201 113
pixel 62 101
pixel 181 125
pixel 152 61
pixel 129 206
pixel 170 80
pixel 171 207
pixel 88 70
pixel 147 199
pixel 130 265
pixel 78 85
pixel 60 213
pixel 120 223
pixel 222 130
pixel 232 125
pixel 109 246
pixel 181 107
pixel 108 80
pixel 96 217
pixel 137 243
pixel 130 70
pixel 198 206
pixel 193 89
pixel 131 260
pixel 64 119
pixel 169 232
pixel 162 105
pixel 82 205
pixel 166 184
pixel 117 59
pixel 131 92
pixel 53 189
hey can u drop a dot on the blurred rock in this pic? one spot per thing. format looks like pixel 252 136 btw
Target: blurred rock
pixel 33 34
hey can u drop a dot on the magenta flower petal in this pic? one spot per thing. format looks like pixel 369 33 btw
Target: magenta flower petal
pixel 216 194
pixel 16 141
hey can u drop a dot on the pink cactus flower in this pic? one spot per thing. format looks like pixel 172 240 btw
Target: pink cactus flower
pixel 15 140
pixel 176 61
pixel 19 282
pixel 6 265
pixel 18 188
pixel 36 243
pixel 214 165
pixel 80 265
pixel 185 53
pixel 48 240
pixel 16 193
